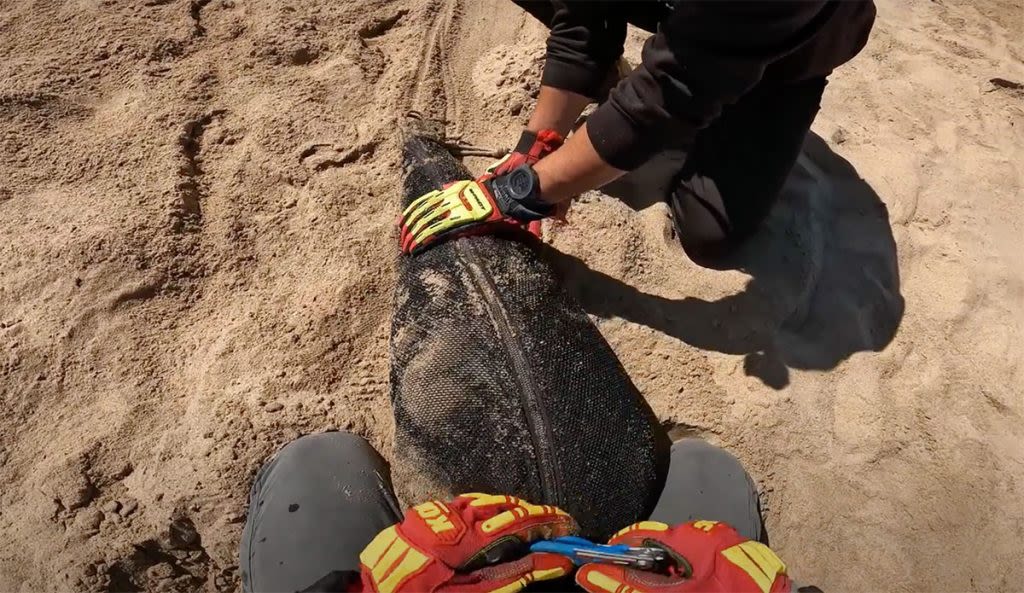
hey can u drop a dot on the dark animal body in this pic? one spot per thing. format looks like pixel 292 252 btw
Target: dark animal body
pixel 501 383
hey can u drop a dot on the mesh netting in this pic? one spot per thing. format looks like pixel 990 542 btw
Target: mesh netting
pixel 501 383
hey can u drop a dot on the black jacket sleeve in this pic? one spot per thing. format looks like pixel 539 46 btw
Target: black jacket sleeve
pixel 706 55
pixel 585 43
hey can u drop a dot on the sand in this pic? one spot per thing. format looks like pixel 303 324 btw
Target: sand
pixel 197 200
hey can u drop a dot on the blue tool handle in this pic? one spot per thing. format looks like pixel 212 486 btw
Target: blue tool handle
pixel 571 539
pixel 554 547
pixel 569 546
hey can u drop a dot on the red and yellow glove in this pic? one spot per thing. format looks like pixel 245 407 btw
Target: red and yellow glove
pixel 532 147
pixel 453 547
pixel 469 207
pixel 710 557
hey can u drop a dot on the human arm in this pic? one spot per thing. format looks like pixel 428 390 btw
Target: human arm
pixel 583 50
pixel 557 109
pixel 667 98
pixel 575 168
pixel 705 56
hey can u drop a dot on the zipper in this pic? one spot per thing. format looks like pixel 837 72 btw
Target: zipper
pixel 536 418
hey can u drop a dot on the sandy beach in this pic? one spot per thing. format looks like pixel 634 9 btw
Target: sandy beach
pixel 197 200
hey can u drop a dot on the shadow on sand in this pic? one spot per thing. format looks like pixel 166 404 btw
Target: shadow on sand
pixel 824 277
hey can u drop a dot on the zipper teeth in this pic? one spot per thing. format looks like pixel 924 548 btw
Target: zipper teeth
pixel 535 417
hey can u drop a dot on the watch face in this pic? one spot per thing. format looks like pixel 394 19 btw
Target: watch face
pixel 521 182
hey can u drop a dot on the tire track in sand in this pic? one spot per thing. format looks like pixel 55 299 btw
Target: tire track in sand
pixel 435 87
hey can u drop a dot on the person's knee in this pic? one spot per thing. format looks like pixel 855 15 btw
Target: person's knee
pixel 702 458
pixel 701 219
pixel 707 228
pixel 702 452
pixel 326 444
pixel 708 482
pixel 698 211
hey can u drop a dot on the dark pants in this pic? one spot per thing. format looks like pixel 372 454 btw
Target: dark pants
pixel 737 166
pixel 323 497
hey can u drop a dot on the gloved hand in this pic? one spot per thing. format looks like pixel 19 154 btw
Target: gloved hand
pixel 452 547
pixel 467 207
pixel 532 147
pixel 710 557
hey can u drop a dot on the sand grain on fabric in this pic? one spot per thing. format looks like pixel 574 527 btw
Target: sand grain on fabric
pixel 197 203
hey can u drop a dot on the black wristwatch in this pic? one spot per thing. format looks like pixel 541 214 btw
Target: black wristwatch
pixel 518 193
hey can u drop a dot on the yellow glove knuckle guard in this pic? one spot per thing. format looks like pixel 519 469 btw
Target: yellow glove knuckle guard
pixel 460 204
pixel 642 525
pixel 595 580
